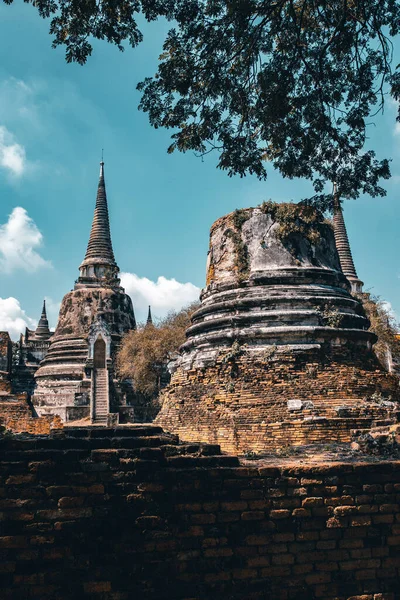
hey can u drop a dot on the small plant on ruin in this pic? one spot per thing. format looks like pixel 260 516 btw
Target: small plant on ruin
pixel 379 398
pixel 296 219
pixel 269 353
pixel 288 451
pixel 230 388
pixel 251 455
pixel 330 316
pixel 233 353
pixel 312 371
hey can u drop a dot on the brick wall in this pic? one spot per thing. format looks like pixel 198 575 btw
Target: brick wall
pixel 5 362
pixel 123 514
pixel 17 416
pixel 242 404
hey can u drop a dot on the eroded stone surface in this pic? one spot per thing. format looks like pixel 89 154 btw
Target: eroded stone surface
pixel 277 327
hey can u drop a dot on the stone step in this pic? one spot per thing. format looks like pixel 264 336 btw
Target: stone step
pixel 184 462
pixel 132 431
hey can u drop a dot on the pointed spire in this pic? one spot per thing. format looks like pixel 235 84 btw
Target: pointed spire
pixel 99 265
pixel 100 245
pixel 149 317
pixel 42 330
pixel 343 245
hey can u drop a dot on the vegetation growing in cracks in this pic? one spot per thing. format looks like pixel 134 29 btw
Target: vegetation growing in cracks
pixel 330 316
pixel 294 219
pixel 241 251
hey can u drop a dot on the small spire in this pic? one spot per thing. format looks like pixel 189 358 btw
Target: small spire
pixel 42 330
pixel 149 317
pixel 343 245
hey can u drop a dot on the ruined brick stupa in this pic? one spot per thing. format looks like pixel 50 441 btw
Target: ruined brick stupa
pixel 279 352
pixel 76 379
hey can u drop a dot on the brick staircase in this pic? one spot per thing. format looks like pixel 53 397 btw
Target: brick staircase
pixel 148 445
pixel 100 399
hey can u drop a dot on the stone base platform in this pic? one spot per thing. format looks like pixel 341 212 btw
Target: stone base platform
pixel 247 403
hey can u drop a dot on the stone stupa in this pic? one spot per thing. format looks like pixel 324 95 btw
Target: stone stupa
pixel 77 380
pixel 279 352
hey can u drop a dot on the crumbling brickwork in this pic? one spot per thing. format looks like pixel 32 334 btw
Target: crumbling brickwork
pixel 248 405
pixel 128 513
pixel 16 415
pixel 279 351
pixel 5 362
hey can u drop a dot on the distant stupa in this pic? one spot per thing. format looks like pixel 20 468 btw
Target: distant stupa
pixel 76 380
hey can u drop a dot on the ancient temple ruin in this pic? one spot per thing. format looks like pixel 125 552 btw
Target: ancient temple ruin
pixel 76 380
pixel 279 353
pixel 5 363
pixel 31 350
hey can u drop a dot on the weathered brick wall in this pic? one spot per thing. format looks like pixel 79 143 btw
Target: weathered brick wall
pixel 16 415
pixel 5 362
pixel 243 404
pixel 129 514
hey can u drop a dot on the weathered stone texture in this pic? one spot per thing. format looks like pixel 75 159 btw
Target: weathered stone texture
pixel 122 514
pixel 277 325
pixel 5 362
pixel 63 387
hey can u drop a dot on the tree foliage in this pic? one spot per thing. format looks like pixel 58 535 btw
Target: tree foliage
pixel 385 326
pixel 293 83
pixel 145 352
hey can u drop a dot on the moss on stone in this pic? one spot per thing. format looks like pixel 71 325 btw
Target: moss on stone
pixel 241 251
pixel 296 219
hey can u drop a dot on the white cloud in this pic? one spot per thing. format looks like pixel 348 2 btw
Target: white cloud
pixel 13 319
pixel 163 295
pixel 19 240
pixel 12 154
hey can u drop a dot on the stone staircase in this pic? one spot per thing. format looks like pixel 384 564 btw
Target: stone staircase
pixel 100 399
pixel 139 448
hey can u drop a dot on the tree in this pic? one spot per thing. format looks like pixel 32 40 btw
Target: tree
pixel 293 83
pixel 385 326
pixel 145 352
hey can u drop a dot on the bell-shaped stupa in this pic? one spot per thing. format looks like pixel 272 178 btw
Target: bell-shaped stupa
pixel 279 353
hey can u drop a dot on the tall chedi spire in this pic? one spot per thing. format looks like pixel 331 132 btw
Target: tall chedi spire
pixel 42 330
pixel 343 246
pixel 99 266
pixel 73 380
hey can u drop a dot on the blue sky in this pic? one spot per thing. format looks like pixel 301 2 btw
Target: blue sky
pixel 55 119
